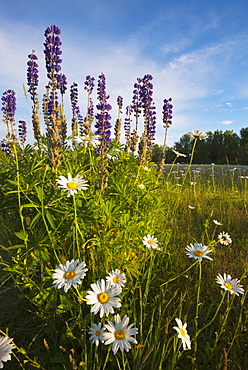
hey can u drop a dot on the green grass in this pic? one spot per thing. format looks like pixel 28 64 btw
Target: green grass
pixel 40 227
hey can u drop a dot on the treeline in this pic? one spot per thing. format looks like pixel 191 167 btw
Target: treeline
pixel 219 148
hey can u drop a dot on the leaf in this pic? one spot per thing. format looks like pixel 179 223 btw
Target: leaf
pixel 21 235
pixel 34 220
pixel 50 218
pixel 40 193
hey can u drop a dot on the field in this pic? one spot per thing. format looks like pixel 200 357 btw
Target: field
pixel 109 261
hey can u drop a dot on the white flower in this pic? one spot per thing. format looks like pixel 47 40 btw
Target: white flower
pixel 141 186
pixel 5 349
pixel 191 207
pixel 96 332
pixel 86 140
pixel 182 333
pixel 70 274
pixel 198 251
pixel 198 134
pixel 217 223
pixel 103 297
pixel 229 284
pixel 116 277
pixel 224 238
pixel 72 184
pixel 146 168
pixel 179 154
pixel 150 242
pixel 120 334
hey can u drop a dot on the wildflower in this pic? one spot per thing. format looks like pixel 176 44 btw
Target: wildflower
pixel 182 334
pixel 69 274
pixel 198 251
pixel 198 134
pixel 103 297
pixel 217 223
pixel 191 207
pixel 86 140
pixel 96 332
pixel 146 168
pixel 229 284
pixel 151 242
pixel 120 334
pixel 179 154
pixel 5 349
pixel 115 277
pixel 224 238
pixel 72 185
pixel 141 186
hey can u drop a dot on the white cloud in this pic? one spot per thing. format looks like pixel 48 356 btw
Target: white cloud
pixel 226 122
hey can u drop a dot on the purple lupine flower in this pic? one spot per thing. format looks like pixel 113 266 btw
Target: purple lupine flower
pixel 103 125
pixel 167 113
pixel 52 51
pixel 90 110
pixel 136 102
pixel 22 131
pixel 5 147
pixel 9 105
pixel 127 126
pixel 74 97
pixel 148 106
pixel 32 74
pixel 119 102
pixel 61 81
pixel 89 84
pixel 52 106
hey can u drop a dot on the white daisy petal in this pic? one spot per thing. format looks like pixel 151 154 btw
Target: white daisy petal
pixel 182 334
pixel 229 284
pixel 120 334
pixel 72 185
pixel 198 251
pixel 224 238
pixel 151 242
pixel 69 274
pixel 5 349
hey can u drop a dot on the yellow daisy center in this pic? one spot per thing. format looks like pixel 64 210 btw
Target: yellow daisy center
pixel 182 332
pixel 98 333
pixel 120 334
pixel 198 253
pixel 70 275
pixel 103 298
pixel 86 139
pixel 116 280
pixel 228 286
pixel 150 242
pixel 72 185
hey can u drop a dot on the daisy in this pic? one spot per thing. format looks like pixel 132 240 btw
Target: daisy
pixel 141 186
pixel 191 207
pixel 198 251
pixel 224 238
pixel 103 297
pixel 86 140
pixel 5 349
pixel 72 185
pixel 150 242
pixel 120 334
pixel 146 168
pixel 217 223
pixel 179 154
pixel 227 283
pixel 69 274
pixel 198 134
pixel 182 333
pixel 96 332
pixel 115 277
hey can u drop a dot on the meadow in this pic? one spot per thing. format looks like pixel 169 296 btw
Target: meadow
pixel 109 261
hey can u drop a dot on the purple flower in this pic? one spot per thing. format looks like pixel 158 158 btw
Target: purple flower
pixel 103 125
pixel 61 81
pixel 22 131
pixel 9 105
pixel 119 102
pixel 89 84
pixel 167 112
pixel 74 97
pixel 148 106
pixel 52 51
pixel 32 74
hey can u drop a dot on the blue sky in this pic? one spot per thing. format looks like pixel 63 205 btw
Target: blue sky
pixel 196 51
